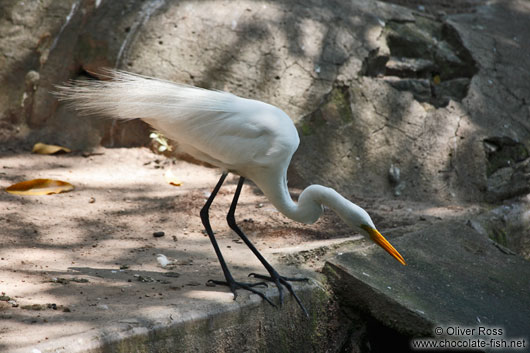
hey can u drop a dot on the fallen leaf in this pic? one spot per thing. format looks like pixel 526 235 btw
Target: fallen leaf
pixel 42 148
pixel 39 187
pixel 172 179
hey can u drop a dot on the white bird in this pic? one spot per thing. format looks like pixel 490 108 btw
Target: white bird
pixel 252 139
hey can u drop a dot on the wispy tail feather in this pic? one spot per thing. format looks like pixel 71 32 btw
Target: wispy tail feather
pixel 213 126
pixel 131 96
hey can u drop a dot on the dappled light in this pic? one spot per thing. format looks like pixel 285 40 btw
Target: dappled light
pixel 415 110
pixel 91 253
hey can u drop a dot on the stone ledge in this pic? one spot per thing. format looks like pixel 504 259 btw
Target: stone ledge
pixel 454 276
pixel 247 325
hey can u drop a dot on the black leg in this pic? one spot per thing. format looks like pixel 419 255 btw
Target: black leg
pixel 228 276
pixel 274 276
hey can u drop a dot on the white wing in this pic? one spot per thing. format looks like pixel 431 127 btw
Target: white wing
pixel 214 126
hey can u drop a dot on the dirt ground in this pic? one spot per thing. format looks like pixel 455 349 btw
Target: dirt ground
pixel 75 261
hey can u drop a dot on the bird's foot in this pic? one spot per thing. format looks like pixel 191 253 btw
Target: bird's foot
pixel 234 286
pixel 279 280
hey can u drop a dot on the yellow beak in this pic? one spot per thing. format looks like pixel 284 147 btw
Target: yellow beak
pixel 382 242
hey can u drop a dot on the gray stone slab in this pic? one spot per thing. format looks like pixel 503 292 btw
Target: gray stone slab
pixel 455 277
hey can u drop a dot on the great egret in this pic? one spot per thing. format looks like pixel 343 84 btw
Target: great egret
pixel 246 137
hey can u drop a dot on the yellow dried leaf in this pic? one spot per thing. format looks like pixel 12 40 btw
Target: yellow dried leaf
pixel 437 79
pixel 39 187
pixel 42 148
pixel 172 179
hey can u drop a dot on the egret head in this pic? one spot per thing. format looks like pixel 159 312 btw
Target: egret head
pixel 361 221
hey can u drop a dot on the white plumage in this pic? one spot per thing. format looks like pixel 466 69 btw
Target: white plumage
pixel 239 135
pixel 247 137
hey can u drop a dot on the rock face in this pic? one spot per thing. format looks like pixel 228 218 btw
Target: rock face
pixel 371 85
pixel 424 57
pixel 507 169
pixel 30 31
pixel 415 105
pixel 508 226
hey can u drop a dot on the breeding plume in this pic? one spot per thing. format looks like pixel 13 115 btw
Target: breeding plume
pixel 246 137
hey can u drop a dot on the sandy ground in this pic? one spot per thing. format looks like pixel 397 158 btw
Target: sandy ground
pixel 75 261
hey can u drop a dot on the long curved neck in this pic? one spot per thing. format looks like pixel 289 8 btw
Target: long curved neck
pixel 310 203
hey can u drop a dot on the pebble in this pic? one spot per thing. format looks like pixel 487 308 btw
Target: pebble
pixel 158 234
pixel 162 260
